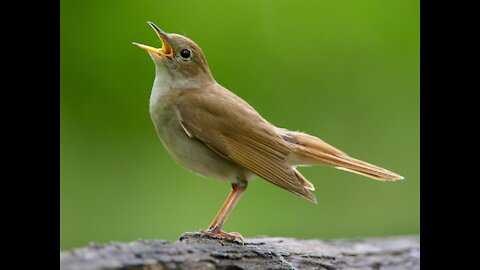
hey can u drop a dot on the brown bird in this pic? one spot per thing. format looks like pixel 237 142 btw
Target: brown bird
pixel 213 132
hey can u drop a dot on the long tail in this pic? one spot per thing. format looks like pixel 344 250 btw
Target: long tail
pixel 310 150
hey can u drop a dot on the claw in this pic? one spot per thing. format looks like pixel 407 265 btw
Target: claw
pixel 218 234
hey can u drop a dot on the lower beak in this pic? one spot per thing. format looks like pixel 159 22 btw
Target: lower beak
pixel 166 49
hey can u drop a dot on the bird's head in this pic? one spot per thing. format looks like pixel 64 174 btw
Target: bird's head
pixel 180 60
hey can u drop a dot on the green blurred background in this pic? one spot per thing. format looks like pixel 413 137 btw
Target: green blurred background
pixel 346 71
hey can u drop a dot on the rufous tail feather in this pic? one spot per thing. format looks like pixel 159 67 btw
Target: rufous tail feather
pixel 309 150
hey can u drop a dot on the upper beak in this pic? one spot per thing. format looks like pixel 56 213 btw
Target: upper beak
pixel 166 48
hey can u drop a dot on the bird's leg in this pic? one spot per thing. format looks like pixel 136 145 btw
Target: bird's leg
pixel 215 229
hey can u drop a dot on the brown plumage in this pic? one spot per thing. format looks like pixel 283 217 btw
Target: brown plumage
pixel 237 132
pixel 213 132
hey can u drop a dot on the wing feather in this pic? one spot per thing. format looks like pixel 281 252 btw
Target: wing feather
pixel 233 129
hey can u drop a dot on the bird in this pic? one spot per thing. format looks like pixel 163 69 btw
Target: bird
pixel 214 133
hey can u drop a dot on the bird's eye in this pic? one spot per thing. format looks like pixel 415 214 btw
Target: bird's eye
pixel 186 54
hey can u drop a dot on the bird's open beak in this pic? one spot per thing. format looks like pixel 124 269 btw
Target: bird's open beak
pixel 166 49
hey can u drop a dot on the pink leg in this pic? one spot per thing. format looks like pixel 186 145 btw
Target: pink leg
pixel 215 229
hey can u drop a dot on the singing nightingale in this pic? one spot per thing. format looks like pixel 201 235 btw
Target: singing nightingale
pixel 212 132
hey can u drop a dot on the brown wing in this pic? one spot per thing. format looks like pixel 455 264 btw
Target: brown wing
pixel 231 127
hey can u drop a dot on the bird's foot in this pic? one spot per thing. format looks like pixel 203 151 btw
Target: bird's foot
pixel 219 234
